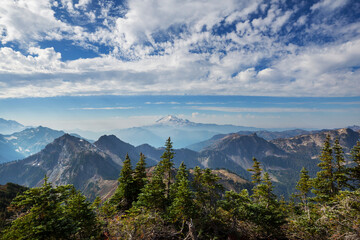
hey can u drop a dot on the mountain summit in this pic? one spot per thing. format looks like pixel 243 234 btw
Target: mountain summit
pixel 10 126
pixel 174 121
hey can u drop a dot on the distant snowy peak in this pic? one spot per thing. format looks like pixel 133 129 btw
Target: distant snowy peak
pixel 10 126
pixel 174 121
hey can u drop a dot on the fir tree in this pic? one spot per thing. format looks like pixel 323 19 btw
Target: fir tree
pixel 207 189
pixel 340 176
pixel 139 175
pixel 83 216
pixel 124 194
pixel 304 186
pixel 256 170
pixel 152 196
pixel 265 211
pixel 324 183
pixel 52 213
pixel 182 206
pixel 166 164
pixel 355 170
pixel 263 192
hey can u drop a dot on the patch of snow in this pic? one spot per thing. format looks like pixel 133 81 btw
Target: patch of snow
pixel 175 121
pixel 11 138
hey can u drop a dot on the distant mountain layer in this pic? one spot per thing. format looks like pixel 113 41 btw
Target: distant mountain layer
pixel 67 160
pixel 10 126
pixel 182 132
pixel 282 158
pixel 309 145
pixel 94 168
pixel 25 143
pixel 267 135
pixel 91 168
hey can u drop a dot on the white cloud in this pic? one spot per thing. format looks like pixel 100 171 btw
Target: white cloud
pixel 82 3
pixel 328 5
pixel 245 61
pixel 102 108
pixel 38 60
pixel 27 20
pixel 264 110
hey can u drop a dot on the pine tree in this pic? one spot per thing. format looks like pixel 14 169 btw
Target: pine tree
pixel 52 213
pixel 124 194
pixel 324 183
pixel 304 186
pixel 256 176
pixel 83 216
pixel 355 170
pixel 182 205
pixel 339 168
pixel 207 189
pixel 263 192
pixel 265 210
pixel 152 196
pixel 166 164
pixel 139 175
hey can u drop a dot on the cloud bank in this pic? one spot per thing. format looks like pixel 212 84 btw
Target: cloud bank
pixel 154 47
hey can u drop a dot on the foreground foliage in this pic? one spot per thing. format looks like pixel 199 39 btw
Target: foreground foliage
pixel 52 213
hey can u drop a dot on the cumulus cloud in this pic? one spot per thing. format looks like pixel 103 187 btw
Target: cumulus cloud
pixel 28 20
pixel 230 47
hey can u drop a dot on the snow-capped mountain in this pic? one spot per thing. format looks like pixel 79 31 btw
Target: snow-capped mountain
pixel 174 121
pixel 182 132
pixel 10 126
pixel 27 142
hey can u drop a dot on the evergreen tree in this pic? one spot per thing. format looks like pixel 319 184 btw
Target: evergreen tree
pixel 324 183
pixel 263 192
pixel 124 194
pixel 166 164
pixel 265 211
pixel 83 216
pixel 340 176
pixel 139 175
pixel 355 170
pixel 52 213
pixel 256 170
pixel 304 186
pixel 207 189
pixel 152 196
pixel 237 204
pixel 182 205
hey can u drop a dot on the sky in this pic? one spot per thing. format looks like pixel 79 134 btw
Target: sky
pixel 109 64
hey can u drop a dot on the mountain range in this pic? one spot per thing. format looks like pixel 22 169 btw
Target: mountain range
pixel 29 141
pixel 182 131
pixel 93 167
pixel 10 126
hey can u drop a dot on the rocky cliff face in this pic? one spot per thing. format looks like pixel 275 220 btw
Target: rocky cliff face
pixel 117 149
pixel 309 145
pixel 238 150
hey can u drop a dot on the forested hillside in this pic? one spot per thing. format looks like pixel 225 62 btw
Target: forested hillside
pixel 169 203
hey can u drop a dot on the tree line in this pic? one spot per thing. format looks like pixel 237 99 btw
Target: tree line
pixel 166 203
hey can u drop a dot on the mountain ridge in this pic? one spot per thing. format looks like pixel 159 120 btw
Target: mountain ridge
pixel 10 126
pixel 67 160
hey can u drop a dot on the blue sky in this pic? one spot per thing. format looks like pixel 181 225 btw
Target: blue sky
pixel 109 64
pixel 105 113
